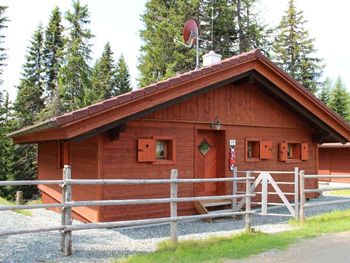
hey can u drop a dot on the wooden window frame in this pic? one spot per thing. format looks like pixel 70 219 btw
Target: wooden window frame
pixel 171 150
pixel 253 159
pixel 300 157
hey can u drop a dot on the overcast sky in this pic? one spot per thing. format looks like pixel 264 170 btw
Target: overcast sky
pixel 119 22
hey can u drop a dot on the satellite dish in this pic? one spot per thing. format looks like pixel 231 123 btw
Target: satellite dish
pixel 190 32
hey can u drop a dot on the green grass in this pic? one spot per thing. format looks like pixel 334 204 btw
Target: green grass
pixel 9 203
pixel 340 192
pixel 243 245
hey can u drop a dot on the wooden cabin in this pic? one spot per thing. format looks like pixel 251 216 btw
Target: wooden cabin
pixel 185 122
pixel 335 159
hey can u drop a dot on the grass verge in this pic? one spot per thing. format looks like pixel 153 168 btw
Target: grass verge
pixel 243 245
pixel 340 193
pixel 9 203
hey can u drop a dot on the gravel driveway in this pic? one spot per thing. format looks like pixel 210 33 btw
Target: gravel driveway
pixel 103 245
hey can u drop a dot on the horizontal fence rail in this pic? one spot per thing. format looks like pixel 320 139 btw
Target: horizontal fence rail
pixel 241 201
pixel 270 172
pixel 327 176
pixel 304 191
pixel 125 202
pixel 67 204
pixel 31 182
pixel 117 224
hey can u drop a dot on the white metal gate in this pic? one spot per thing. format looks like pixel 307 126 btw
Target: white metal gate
pixel 264 179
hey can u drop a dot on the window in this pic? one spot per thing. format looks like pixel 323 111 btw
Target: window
pixel 257 150
pixel 293 151
pixel 162 150
pixel 253 149
pixel 158 150
pixel 204 147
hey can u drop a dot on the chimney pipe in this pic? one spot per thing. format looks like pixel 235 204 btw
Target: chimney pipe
pixel 211 58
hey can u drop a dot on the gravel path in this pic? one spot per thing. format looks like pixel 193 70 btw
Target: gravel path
pixel 103 245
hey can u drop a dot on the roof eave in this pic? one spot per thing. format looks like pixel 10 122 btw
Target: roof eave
pixel 48 124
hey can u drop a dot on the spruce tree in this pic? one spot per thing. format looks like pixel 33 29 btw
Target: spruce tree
pixel 3 25
pixel 294 49
pixel 340 99
pixel 326 90
pixel 53 52
pixel 29 103
pixel 75 74
pixel 122 77
pixel 103 80
pixel 236 26
pixel 160 56
pixel 6 146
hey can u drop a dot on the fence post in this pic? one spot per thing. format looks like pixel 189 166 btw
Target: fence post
pixel 302 196
pixel 248 218
pixel 67 235
pixel 264 194
pixel 173 206
pixel 19 197
pixel 296 192
pixel 234 190
pixel 63 209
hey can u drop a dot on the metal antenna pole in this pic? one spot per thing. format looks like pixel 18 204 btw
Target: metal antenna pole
pixel 212 26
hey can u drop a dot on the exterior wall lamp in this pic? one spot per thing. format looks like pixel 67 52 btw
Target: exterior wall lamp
pixel 216 124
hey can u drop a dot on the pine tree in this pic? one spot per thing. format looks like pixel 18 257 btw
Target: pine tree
pixel 122 77
pixel 340 99
pixel 294 49
pixel 160 56
pixel 75 74
pixel 103 80
pixel 6 146
pixel 3 22
pixel 53 52
pixel 236 27
pixel 326 90
pixel 29 103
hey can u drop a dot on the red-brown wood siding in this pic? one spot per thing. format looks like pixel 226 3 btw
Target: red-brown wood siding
pixel 244 111
pixel 334 161
pixel 83 158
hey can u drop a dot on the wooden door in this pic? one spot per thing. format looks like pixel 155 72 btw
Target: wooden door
pixel 207 149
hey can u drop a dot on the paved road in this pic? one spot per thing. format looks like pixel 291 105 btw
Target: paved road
pixel 333 248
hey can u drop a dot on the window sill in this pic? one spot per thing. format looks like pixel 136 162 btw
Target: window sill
pixel 252 160
pixel 163 162
pixel 293 161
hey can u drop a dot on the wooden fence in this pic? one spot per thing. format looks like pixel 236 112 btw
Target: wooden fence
pixel 304 191
pixel 66 204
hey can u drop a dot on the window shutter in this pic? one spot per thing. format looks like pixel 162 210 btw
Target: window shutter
pixel 304 151
pixel 146 150
pixel 283 151
pixel 265 150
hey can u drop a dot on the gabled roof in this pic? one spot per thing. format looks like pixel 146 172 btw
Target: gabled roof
pixel 113 112
pixel 335 145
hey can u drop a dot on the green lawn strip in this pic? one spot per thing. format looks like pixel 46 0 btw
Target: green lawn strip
pixel 243 245
pixel 340 192
pixel 9 203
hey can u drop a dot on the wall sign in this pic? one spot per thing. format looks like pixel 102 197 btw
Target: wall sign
pixel 232 160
